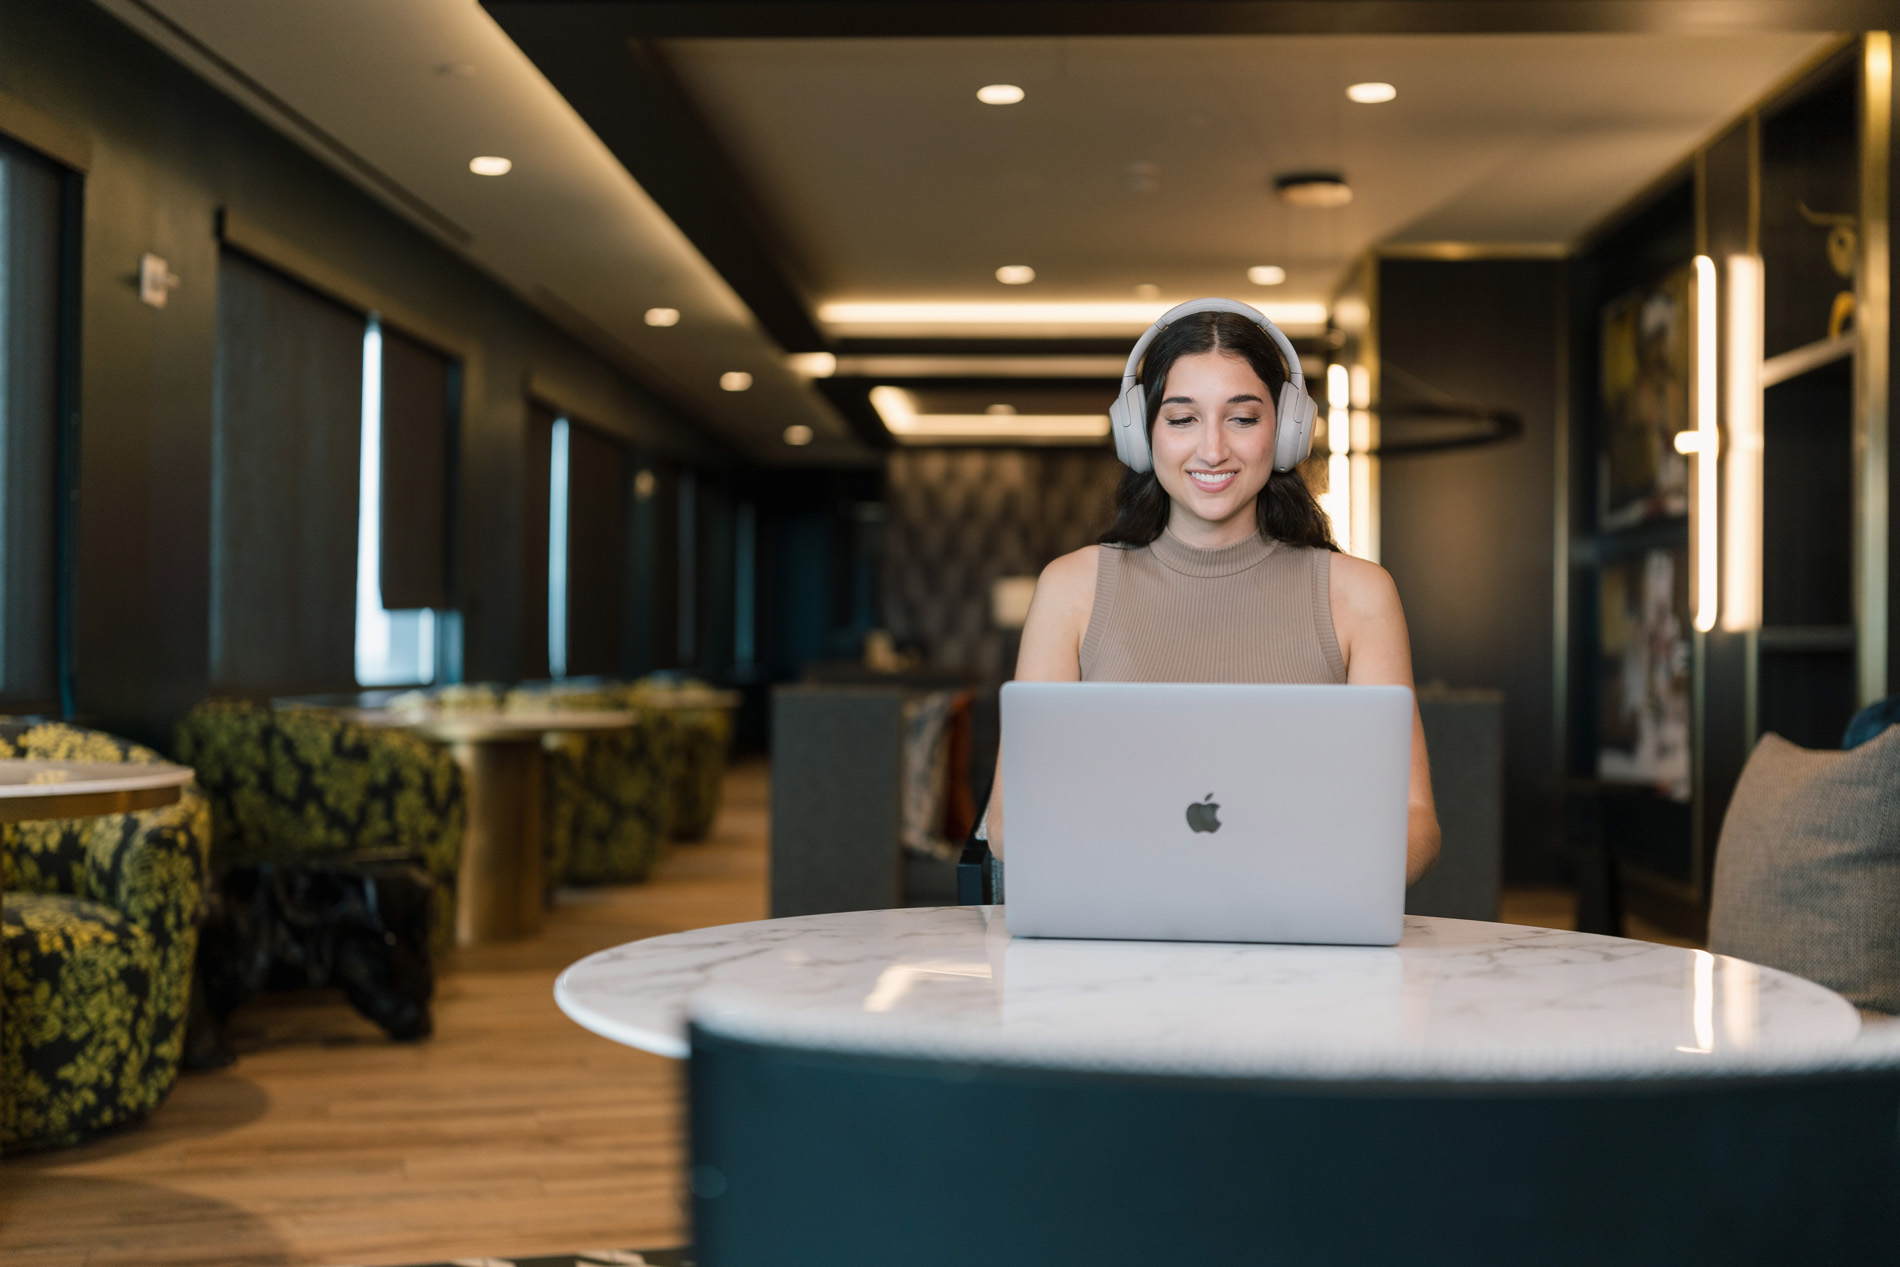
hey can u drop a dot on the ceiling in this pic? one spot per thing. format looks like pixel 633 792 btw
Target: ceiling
pixel 755 183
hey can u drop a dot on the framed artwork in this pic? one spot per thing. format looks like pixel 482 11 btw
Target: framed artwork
pixel 1646 352
pixel 1644 696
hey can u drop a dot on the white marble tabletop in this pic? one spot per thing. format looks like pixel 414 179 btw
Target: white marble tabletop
pixel 31 779
pixel 1455 999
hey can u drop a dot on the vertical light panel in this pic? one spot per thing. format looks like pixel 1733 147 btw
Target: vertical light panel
pixel 372 622
pixel 1871 393
pixel 1703 443
pixel 1337 502
pixel 557 550
pixel 1742 470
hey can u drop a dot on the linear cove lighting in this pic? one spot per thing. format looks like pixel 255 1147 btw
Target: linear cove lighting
pixel 1371 93
pixel 490 165
pixel 999 94
pixel 1111 313
pixel 898 409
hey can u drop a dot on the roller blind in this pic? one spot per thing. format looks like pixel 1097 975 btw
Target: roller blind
pixel 285 474
pixel 418 400
pixel 596 551
pixel 29 425
pixel 535 475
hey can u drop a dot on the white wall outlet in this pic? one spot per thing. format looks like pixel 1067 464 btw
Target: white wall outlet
pixel 156 280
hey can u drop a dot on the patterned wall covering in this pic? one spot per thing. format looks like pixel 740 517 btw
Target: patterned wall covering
pixel 960 518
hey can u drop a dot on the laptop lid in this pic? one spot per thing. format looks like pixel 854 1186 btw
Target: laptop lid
pixel 1206 812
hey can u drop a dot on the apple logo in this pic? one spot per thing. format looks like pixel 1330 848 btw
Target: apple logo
pixel 1204 815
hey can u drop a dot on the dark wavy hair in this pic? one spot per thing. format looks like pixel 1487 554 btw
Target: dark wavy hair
pixel 1286 510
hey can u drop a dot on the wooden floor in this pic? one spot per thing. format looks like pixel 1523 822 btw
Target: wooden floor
pixel 512 1131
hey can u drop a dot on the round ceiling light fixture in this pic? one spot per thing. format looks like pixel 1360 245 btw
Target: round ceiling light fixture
pixel 735 381
pixel 1266 274
pixel 663 317
pixel 1371 93
pixel 1015 274
pixel 798 435
pixel 1314 191
pixel 1001 411
pixel 490 165
pixel 999 94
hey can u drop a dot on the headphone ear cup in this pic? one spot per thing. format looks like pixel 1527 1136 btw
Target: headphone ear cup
pixel 1293 441
pixel 1128 421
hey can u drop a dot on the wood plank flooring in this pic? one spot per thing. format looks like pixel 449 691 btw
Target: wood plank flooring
pixel 512 1131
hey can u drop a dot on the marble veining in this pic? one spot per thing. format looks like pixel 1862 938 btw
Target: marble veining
pixel 1454 999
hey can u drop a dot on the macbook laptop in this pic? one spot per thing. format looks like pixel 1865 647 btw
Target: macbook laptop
pixel 1201 812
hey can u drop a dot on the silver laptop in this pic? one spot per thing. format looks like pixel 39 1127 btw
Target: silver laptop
pixel 1206 812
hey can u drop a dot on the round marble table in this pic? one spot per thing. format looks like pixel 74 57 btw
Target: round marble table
pixel 1454 998
pixel 500 891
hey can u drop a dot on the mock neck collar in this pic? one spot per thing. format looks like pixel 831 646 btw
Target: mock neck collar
pixel 1178 556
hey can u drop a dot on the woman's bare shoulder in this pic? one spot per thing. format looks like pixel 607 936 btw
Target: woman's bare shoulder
pixel 1362 586
pixel 1072 570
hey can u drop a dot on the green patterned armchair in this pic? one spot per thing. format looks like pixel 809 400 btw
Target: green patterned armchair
pixel 99 925
pixel 699 721
pixel 297 782
pixel 610 800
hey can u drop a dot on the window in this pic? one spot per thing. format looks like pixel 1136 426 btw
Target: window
pixel 393 648
pixel 557 550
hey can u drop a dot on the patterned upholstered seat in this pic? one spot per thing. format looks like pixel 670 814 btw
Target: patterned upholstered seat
pixel 99 926
pixel 291 783
pixel 610 800
pixel 701 740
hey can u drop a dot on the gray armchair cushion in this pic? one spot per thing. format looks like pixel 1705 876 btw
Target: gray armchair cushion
pixel 1807 874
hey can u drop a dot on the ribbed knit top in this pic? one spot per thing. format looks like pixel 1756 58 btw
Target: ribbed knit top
pixel 1255 611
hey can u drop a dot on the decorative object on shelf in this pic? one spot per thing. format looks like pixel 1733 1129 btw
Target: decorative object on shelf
pixel 1645 392
pixel 1843 252
pixel 1644 701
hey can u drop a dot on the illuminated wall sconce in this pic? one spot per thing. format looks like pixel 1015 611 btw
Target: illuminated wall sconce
pixel 1742 468
pixel 1704 444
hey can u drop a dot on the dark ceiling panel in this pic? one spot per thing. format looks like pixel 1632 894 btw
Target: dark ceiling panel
pixel 754 19
pixel 621 85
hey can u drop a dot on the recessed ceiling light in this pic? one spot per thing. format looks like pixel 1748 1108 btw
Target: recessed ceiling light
pixel 999 94
pixel 663 316
pixel 734 381
pixel 813 364
pixel 1313 190
pixel 490 165
pixel 1148 290
pixel 1001 411
pixel 798 435
pixel 1372 93
pixel 1266 274
pixel 1015 274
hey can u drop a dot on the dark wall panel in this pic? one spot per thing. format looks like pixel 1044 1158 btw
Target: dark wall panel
pixel 596 543
pixel 534 473
pixel 286 458
pixel 1468 535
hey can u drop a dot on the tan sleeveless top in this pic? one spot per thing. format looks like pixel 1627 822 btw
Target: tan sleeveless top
pixel 1256 611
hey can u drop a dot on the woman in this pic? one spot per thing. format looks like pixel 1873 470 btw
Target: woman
pixel 1219 569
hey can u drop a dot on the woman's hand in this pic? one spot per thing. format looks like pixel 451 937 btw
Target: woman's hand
pixel 1370 626
pixel 1052 645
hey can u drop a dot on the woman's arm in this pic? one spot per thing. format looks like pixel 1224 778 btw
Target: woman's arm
pixel 1370 626
pixel 1051 647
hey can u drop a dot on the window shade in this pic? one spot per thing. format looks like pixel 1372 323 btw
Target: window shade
pixel 535 462
pixel 285 473
pixel 29 426
pixel 596 551
pixel 418 395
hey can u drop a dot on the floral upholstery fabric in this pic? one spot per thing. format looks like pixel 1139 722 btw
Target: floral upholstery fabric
pixel 701 741
pixel 99 927
pixel 609 795
pixel 290 783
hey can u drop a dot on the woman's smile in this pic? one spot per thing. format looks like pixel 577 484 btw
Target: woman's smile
pixel 1213 481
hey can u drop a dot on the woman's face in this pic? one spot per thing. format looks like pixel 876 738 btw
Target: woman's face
pixel 1213 440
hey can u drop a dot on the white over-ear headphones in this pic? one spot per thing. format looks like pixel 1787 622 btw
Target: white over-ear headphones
pixel 1294 411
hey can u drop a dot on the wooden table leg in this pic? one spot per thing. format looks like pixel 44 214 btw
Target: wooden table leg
pixel 500 887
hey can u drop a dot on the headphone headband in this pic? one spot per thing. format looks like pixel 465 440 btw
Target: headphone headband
pixel 1193 306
